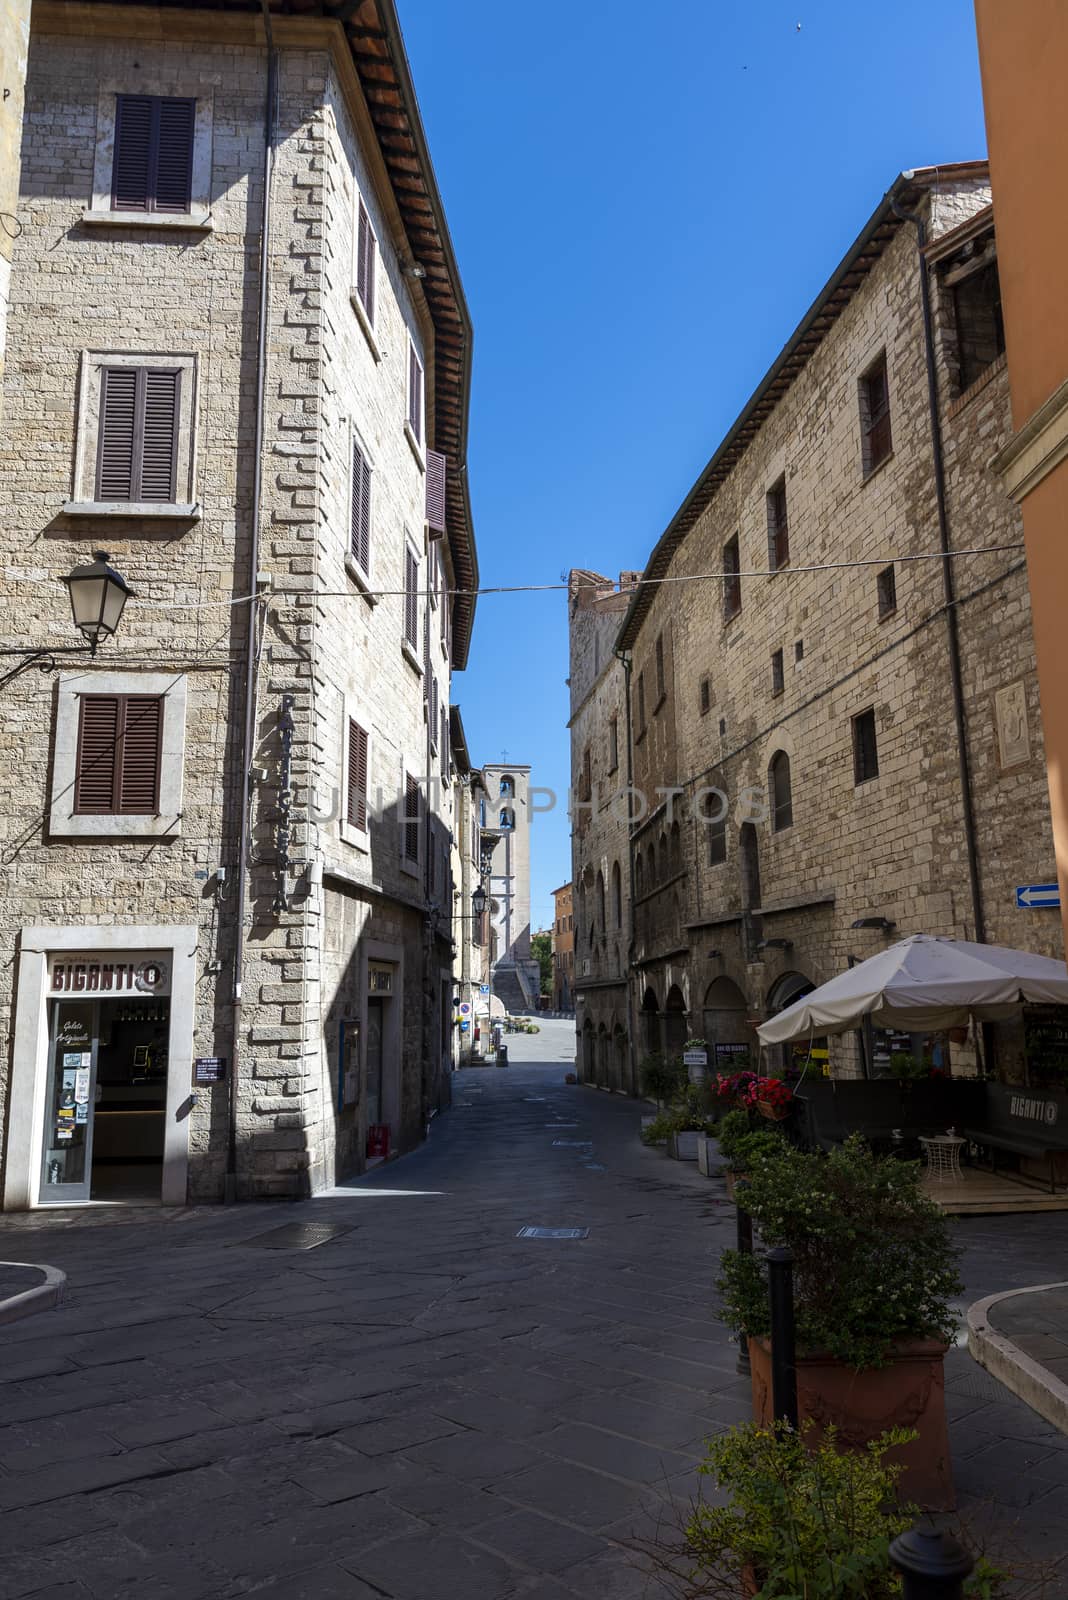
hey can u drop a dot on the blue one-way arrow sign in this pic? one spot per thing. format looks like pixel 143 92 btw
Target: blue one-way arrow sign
pixel 1031 895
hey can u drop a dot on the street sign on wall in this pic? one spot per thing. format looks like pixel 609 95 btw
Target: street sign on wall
pixel 1031 896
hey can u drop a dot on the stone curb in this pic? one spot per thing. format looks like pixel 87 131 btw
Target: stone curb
pixel 43 1297
pixel 1005 1361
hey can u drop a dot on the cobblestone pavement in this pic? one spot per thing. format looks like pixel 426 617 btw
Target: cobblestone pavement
pixel 425 1406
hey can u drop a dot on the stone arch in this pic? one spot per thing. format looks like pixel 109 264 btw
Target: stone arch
pixel 676 847
pixel 725 1024
pixel 507 785
pixel 617 896
pixel 602 1057
pixel 780 792
pixel 506 819
pixel 620 1061
pixel 675 1028
pixel 788 987
pixel 650 1022
pixel 639 874
pixel 662 857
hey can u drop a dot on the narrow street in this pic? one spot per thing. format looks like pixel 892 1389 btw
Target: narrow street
pixel 425 1405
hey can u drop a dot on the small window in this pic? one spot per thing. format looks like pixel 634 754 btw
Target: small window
pixel 356 778
pixel 706 696
pixel 722 726
pixel 366 261
pixel 120 745
pixel 980 329
pixel 641 703
pixel 799 649
pixel 717 838
pixel 865 748
pixel 152 169
pixel 613 744
pixel 411 818
pixel 507 819
pixel 777 680
pixel 137 439
pixel 411 598
pixel 781 791
pixel 732 583
pixel 446 763
pixel 887 588
pixel 506 786
pixel 415 393
pixel 876 443
pixel 617 895
pixel 360 510
pixel 778 527
pixel 660 680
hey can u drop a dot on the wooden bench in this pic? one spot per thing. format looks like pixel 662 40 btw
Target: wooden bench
pixel 1032 1123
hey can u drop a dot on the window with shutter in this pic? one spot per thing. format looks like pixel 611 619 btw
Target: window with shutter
pixel 360 511
pixel 137 437
pixel 120 742
pixel 411 818
pixel 411 598
pixel 415 393
pixel 435 491
pixel 152 169
pixel 356 806
pixel 876 442
pixel 366 250
pixel 445 742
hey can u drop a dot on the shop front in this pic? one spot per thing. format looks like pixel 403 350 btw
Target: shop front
pixel 101 1088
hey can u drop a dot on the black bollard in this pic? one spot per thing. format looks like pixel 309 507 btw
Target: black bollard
pixel 745 1248
pixel 933 1566
pixel 783 1370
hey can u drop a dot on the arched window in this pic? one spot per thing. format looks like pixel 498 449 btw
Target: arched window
pixel 782 804
pixel 676 847
pixel 617 895
pixel 507 786
pixel 507 818
pixel 650 865
pixel 662 857
pixel 602 923
pixel 639 874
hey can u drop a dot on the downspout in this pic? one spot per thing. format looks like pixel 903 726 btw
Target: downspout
pixel 627 664
pixel 432 1069
pixel 948 583
pixel 254 611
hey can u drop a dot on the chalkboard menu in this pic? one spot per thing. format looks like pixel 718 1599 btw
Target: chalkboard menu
pixel 1046 1035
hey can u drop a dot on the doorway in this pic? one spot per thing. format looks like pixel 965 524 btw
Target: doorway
pixel 105 1107
pixel 375 1027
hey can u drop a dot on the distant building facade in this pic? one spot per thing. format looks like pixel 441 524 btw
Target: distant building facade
pixel 563 950
pixel 824 760
pixel 506 843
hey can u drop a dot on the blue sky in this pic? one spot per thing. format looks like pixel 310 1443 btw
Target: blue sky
pixel 644 200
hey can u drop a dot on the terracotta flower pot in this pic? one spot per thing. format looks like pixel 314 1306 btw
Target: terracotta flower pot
pixel 732 1181
pixel 773 1113
pixel 909 1393
pixel 750 1581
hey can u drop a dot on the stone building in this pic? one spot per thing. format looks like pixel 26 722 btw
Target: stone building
pixel 506 842
pixel 471 966
pixel 14 39
pixel 238 358
pixel 600 766
pixel 563 949
pixel 836 738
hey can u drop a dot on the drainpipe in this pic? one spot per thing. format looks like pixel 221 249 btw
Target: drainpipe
pixel 432 1069
pixel 627 664
pixel 948 584
pixel 254 612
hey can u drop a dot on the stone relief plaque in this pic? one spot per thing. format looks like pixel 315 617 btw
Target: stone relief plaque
pixel 1010 715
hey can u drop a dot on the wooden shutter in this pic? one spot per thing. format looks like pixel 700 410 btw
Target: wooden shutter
pixel 153 163
pixel 139 756
pixel 445 742
pixel 137 444
pixel 411 818
pixel 357 776
pixel 365 263
pixel 98 738
pixel 116 434
pixel 173 187
pixel 435 491
pixel 360 524
pixel 415 392
pixel 130 170
pixel 411 599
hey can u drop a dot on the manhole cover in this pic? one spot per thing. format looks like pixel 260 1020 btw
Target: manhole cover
pixel 296 1236
pixel 572 1144
pixel 553 1233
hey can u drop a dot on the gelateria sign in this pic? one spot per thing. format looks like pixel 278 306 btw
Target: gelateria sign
pixel 138 972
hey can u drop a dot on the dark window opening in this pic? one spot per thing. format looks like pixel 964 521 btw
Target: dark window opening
pixel 876 442
pixel 778 682
pixel 799 650
pixel 782 802
pixel 865 748
pixel 732 582
pixel 778 527
pixel 152 168
pixel 706 696
pixel 886 583
pixel 660 680
pixel 980 329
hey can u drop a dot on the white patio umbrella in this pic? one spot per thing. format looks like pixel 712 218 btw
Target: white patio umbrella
pixel 921 983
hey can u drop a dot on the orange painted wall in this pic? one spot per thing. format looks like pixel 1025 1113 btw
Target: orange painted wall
pixel 1023 52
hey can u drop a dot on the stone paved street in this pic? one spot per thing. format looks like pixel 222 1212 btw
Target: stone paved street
pixel 425 1406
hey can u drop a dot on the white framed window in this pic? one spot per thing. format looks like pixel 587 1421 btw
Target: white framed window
pixel 135 447
pixel 152 160
pixel 364 292
pixel 357 740
pixel 359 552
pixel 413 422
pixel 119 755
pixel 410 605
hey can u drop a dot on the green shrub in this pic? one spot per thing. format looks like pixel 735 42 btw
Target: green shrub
pixel 733 1126
pixel 662 1078
pixel 659 1129
pixel 873 1259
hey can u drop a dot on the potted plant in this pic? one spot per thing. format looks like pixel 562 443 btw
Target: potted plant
pixel 800 1519
pixel 874 1278
pixel 771 1097
pixel 661 1079
pixel 743 1142
pixel 692 1123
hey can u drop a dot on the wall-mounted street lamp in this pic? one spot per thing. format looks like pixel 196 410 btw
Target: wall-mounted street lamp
pixel 98 596
pixel 883 924
pixel 478 901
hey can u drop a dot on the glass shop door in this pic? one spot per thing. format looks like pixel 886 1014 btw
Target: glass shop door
pixel 67 1161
